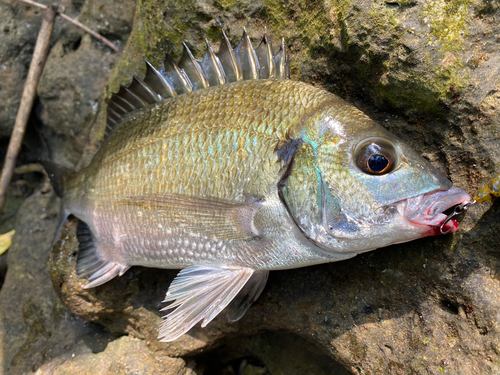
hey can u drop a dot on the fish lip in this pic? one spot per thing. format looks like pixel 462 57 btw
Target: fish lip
pixel 427 209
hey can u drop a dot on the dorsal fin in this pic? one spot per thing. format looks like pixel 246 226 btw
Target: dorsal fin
pixel 192 68
pixel 226 66
pixel 213 68
pixel 282 62
pixel 264 54
pixel 247 58
pixel 227 57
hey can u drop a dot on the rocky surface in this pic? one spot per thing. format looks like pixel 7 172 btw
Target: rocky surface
pixel 427 70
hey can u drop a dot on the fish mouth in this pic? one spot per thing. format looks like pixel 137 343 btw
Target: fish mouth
pixel 430 209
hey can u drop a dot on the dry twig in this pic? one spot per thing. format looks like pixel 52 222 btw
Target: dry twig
pixel 34 73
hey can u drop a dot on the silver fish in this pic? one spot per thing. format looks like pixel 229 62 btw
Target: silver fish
pixel 228 169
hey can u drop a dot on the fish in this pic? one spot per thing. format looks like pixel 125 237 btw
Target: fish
pixel 226 169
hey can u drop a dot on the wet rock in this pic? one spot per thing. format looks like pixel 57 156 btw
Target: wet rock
pixel 30 312
pixel 426 70
pixel 18 30
pixel 274 353
pixel 75 74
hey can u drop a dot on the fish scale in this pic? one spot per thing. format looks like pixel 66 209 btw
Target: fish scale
pixel 188 145
pixel 226 168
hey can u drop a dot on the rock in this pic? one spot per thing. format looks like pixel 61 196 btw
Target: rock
pixel 17 27
pixel 122 356
pixel 75 74
pixel 31 315
pixel 426 70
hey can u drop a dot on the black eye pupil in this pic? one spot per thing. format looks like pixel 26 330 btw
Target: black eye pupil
pixel 376 156
pixel 377 162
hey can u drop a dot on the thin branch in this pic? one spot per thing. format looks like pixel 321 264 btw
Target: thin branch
pixel 30 2
pixel 91 32
pixel 34 73
pixel 76 23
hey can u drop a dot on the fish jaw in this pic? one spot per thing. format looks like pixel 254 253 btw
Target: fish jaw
pixel 426 210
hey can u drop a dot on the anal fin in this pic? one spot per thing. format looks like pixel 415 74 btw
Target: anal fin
pixel 200 293
pixel 90 265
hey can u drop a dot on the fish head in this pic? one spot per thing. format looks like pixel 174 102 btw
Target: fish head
pixel 353 186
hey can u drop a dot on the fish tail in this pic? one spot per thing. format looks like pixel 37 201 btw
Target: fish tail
pixel 90 264
pixel 63 216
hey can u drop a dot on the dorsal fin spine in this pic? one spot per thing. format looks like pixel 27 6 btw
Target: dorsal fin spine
pixel 247 58
pixel 264 54
pixel 143 90
pixel 130 98
pixel 123 103
pixel 138 101
pixel 112 120
pixel 175 76
pixel 116 108
pixel 213 68
pixel 112 115
pixel 192 68
pixel 158 83
pixel 229 61
pixel 281 62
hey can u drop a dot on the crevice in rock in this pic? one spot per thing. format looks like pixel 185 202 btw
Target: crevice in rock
pixel 3 269
pixel 73 44
pixel 392 4
pixel 449 307
pixel 269 353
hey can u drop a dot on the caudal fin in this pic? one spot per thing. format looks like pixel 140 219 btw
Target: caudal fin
pixel 57 175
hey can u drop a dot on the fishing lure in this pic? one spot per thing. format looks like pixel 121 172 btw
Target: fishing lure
pixel 483 194
pixel 488 190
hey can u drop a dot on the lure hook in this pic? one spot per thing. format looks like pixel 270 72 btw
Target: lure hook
pixel 461 208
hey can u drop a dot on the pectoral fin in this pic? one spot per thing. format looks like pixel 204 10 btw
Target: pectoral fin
pixel 200 293
pixel 247 295
pixel 203 215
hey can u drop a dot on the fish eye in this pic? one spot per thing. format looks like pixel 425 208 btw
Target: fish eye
pixel 376 156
